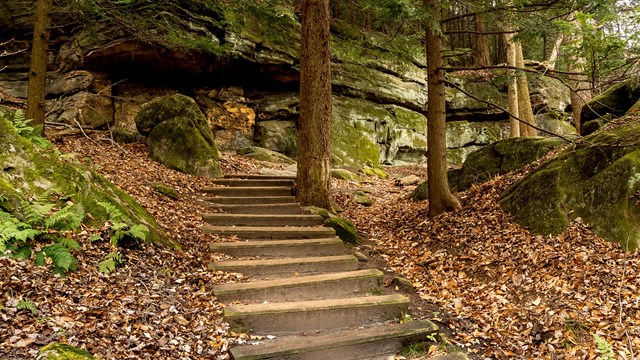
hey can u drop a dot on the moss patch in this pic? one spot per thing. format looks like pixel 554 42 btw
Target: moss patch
pixel 267 155
pixel 344 228
pixel 596 182
pixel 166 191
pixel 344 174
pixel 61 351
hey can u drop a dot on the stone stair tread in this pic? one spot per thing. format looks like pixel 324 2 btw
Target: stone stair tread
pixel 281 248
pixel 314 316
pixel 284 242
pixel 254 182
pixel 208 189
pixel 325 346
pixel 271 232
pixel 249 200
pixel 287 261
pixel 283 209
pixel 249 191
pixel 256 287
pixel 258 176
pixel 263 220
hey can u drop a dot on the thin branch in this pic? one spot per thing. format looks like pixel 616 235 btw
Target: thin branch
pixel 507 112
pixel 480 32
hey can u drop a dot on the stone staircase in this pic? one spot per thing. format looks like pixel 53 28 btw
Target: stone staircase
pixel 305 289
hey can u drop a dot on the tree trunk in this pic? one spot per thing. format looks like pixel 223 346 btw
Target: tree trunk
pixel 525 112
pixel 582 87
pixel 512 86
pixel 553 57
pixel 481 43
pixel 314 146
pixel 440 197
pixel 38 67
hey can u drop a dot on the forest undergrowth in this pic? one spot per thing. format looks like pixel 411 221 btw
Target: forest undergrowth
pixel 504 293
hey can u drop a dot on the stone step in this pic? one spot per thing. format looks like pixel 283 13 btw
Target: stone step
pixel 303 288
pixel 266 232
pixel 282 209
pixel 372 343
pixel 259 176
pixel 313 316
pixel 260 191
pixel 262 220
pixel 255 182
pixel 258 200
pixel 270 268
pixel 281 248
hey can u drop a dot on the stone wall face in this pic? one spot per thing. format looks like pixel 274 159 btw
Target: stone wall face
pixel 250 95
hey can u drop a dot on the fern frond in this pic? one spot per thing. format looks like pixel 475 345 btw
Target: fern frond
pixel 67 218
pixel 111 263
pixel 12 232
pixel 61 257
pixel 27 305
pixel 112 212
pixel 139 232
pixel 69 243
pixel 35 213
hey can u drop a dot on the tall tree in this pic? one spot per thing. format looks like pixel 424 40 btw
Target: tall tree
pixel 525 111
pixel 512 85
pixel 314 147
pixel 481 52
pixel 38 66
pixel 440 197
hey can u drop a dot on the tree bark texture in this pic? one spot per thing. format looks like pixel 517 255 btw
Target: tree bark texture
pixel 38 66
pixel 512 86
pixel 440 197
pixel 525 111
pixel 581 92
pixel 481 52
pixel 314 146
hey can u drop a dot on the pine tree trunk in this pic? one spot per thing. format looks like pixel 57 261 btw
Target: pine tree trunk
pixel 582 88
pixel 481 42
pixel 525 112
pixel 440 197
pixel 38 67
pixel 555 51
pixel 512 86
pixel 314 146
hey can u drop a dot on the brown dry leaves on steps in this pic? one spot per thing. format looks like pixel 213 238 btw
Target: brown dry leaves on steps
pixel 505 293
pixel 157 306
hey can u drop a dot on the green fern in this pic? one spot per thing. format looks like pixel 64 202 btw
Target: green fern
pixel 113 261
pixel 35 212
pixel 605 350
pixel 68 243
pixel 61 258
pixel 112 211
pixel 26 304
pixel 32 133
pixel 67 218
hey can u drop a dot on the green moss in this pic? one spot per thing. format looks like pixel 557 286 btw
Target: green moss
pixel 596 181
pixel 267 155
pixel 344 174
pixel 374 171
pixel 61 351
pixel 166 191
pixel 409 119
pixel 29 171
pixel 352 147
pixel 362 198
pixel 344 229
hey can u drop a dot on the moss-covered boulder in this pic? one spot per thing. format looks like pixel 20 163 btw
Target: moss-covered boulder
pixel 61 351
pixel 598 181
pixel 616 100
pixel 179 135
pixel 344 228
pixel 262 154
pixel 344 174
pixel 362 198
pixel 500 158
pixel 28 171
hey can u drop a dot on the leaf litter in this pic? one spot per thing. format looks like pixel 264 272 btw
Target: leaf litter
pixel 502 292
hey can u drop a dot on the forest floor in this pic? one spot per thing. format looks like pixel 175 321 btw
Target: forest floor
pixel 503 293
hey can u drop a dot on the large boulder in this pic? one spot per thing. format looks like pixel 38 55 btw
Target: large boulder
pixel 501 157
pixel 28 171
pixel 616 100
pixel 597 181
pixel 179 136
pixel 278 135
